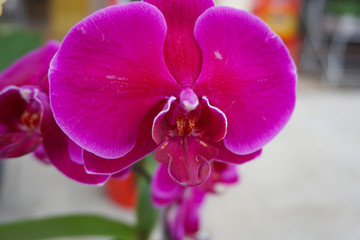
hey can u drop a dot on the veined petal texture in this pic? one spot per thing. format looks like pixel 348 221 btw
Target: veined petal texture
pixel 144 145
pixel 248 74
pixel 181 51
pixel 164 190
pixel 108 74
pixel 56 145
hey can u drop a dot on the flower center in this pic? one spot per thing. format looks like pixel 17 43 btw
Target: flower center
pixel 185 126
pixel 188 129
pixel 30 120
pixel 188 113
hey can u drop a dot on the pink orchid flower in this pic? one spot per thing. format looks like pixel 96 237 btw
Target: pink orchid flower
pixel 192 81
pixel 26 121
pixel 165 191
pixel 183 217
pixel 184 204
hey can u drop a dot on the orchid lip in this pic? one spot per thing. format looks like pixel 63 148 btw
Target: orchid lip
pixel 188 138
pixel 200 176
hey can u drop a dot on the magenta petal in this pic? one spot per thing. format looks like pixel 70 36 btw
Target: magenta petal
pixel 119 75
pixel 212 124
pixel 41 155
pixel 181 52
pixel 248 74
pixel 163 189
pixel 75 152
pixel 59 157
pixel 122 174
pixel 192 217
pixel 227 156
pixel 184 219
pixel 175 220
pixel 31 68
pixel 226 173
pixel 188 159
pixel 8 141
pixel 144 145
pixel 12 105
pixel 220 173
pixel 18 144
pixel 56 147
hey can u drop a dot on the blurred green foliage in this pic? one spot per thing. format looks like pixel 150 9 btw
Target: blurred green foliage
pixel 66 226
pixel 147 214
pixel 15 42
pixel 342 7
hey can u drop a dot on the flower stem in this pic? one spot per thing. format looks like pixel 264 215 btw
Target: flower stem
pixel 140 170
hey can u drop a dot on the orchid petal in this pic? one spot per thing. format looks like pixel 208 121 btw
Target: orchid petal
pixel 181 52
pixel 144 145
pixel 31 68
pixel 18 144
pixel 94 104
pixel 75 152
pixel 220 173
pixel 227 156
pixel 187 158
pixel 12 105
pixel 41 155
pixel 163 189
pixel 176 221
pixel 192 217
pixel 184 218
pixel 248 74
pixel 226 173
pixel 56 146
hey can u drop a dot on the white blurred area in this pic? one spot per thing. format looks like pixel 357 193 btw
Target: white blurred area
pixel 305 186
pixel 240 4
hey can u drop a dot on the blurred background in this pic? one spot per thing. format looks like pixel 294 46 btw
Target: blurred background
pixel 306 185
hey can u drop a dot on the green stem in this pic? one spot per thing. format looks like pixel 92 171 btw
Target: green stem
pixel 140 170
